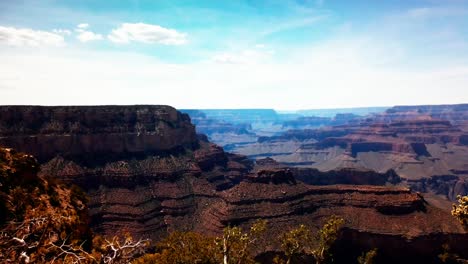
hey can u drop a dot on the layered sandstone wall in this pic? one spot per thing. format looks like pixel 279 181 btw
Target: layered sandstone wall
pixel 94 131
pixel 173 180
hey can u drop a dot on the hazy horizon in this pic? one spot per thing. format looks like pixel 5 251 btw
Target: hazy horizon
pixel 286 55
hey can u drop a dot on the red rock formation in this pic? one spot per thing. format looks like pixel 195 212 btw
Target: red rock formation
pixel 191 184
pixel 384 214
pixel 456 114
pixel 97 131
pixel 413 141
pixel 346 175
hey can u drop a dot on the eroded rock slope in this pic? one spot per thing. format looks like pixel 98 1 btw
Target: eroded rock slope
pixel 146 171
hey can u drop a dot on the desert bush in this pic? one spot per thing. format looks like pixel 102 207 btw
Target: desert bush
pixel 368 257
pixel 326 236
pixel 183 248
pixel 460 210
pixel 300 241
pixel 236 246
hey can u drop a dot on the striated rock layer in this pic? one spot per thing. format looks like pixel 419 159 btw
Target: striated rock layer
pixel 426 147
pixel 156 175
pixel 91 132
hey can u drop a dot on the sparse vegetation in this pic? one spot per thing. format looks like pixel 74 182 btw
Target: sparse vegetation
pixel 43 226
pixel 300 241
pixel 460 210
pixel 327 235
pixel 118 249
pixel 446 256
pixel 369 257
pixel 183 248
pixel 236 245
pixel 52 226
pixel 295 242
pixel 44 221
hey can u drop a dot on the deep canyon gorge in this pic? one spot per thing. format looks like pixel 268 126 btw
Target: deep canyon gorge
pixel 391 175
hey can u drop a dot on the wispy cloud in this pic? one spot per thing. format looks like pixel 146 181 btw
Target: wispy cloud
pixel 64 32
pixel 260 53
pixel 83 25
pixel 309 56
pixel 28 37
pixel 293 24
pixel 329 75
pixel 85 35
pixel 146 33
pixel 433 12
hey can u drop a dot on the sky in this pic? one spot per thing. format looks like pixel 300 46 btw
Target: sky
pixel 281 54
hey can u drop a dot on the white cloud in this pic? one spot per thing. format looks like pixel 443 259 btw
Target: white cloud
pixel 83 25
pixel 63 32
pixel 248 56
pixel 391 63
pixel 29 37
pixel 330 75
pixel 86 35
pixel 146 33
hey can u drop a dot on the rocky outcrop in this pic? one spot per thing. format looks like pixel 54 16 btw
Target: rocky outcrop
pixel 210 126
pixel 192 184
pixel 396 248
pixel 464 140
pixel 222 132
pixel 450 185
pixel 345 176
pixel 234 128
pixel 456 114
pixel 387 215
pixel 95 132
pixel 311 121
pixel 308 134
pixel 417 144
pixel 155 194
pixel 306 122
pixel 143 167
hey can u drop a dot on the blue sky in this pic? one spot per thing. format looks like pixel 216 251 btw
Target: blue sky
pixel 281 54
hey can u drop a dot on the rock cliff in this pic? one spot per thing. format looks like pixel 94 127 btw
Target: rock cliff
pixel 429 153
pixel 146 171
pixel 95 132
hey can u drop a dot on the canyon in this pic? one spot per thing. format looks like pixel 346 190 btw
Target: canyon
pixel 425 145
pixel 147 171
